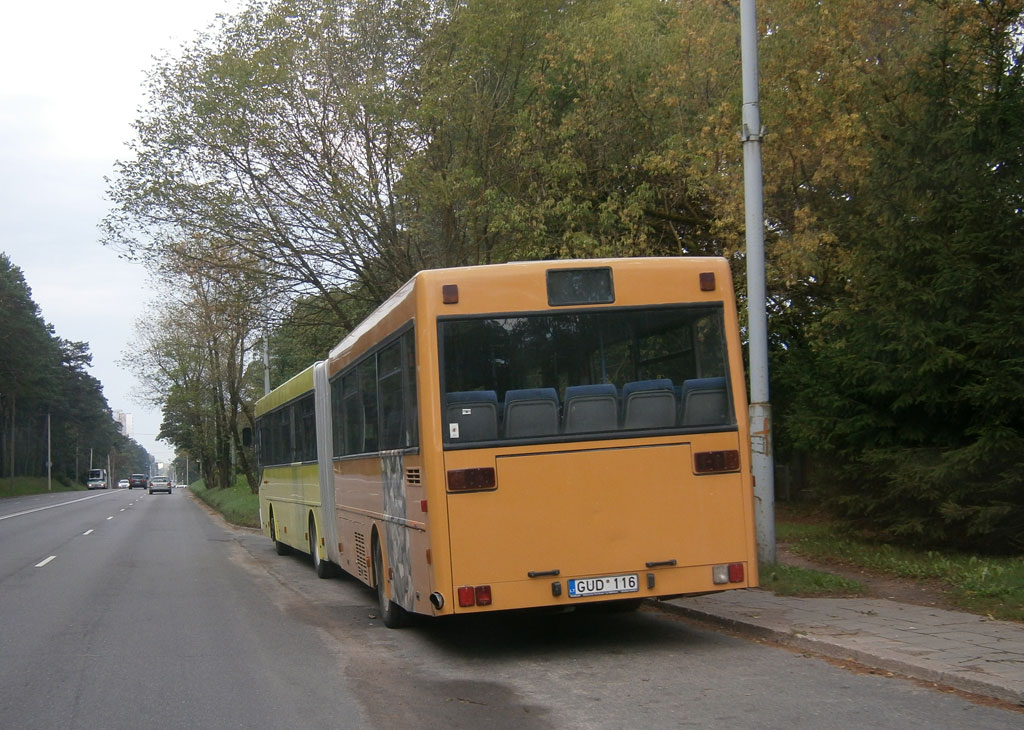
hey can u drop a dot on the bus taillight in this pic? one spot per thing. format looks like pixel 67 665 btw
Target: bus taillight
pixel 713 462
pixel 731 573
pixel 471 480
pixel 470 596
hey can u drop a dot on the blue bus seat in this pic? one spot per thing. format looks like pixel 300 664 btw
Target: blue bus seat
pixel 704 402
pixel 531 412
pixel 591 408
pixel 471 415
pixel 648 404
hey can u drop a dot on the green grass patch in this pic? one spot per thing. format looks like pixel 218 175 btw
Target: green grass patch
pixel 33 485
pixel 981 584
pixel 789 580
pixel 238 504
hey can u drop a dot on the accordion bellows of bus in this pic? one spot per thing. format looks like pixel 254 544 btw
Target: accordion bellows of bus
pixel 523 435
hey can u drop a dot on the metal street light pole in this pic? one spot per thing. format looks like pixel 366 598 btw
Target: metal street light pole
pixel 266 363
pixel 757 317
pixel 49 456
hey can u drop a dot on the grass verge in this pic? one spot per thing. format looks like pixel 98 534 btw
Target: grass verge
pixel 790 580
pixel 237 503
pixel 992 586
pixel 33 485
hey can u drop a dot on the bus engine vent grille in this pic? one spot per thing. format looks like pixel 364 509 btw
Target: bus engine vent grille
pixel 364 572
pixel 412 475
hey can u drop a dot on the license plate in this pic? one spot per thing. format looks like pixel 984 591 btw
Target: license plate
pixel 603 585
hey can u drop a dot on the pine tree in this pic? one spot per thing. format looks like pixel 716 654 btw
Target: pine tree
pixel 923 387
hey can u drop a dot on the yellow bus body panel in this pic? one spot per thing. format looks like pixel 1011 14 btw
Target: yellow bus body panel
pixel 294 387
pixel 607 510
pixel 291 492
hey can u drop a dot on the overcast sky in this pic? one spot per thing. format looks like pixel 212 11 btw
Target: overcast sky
pixel 71 81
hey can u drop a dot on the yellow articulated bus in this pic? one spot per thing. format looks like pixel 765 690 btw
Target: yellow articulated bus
pixel 291 486
pixel 537 434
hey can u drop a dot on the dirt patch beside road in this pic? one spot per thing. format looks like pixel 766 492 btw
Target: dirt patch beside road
pixel 904 590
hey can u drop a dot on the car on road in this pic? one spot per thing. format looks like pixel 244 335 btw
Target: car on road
pixel 122 484
pixel 138 480
pixel 159 484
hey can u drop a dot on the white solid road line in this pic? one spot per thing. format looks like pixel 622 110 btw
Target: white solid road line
pixel 51 506
pixel 40 565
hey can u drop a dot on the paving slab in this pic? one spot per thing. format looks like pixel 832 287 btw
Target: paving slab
pixel 961 650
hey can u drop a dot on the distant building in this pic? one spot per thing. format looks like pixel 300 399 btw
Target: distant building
pixel 124 423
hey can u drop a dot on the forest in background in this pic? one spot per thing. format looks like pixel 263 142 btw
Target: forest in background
pixel 302 159
pixel 43 375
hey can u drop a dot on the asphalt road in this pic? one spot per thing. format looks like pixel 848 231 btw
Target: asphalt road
pixel 151 614
pixel 124 610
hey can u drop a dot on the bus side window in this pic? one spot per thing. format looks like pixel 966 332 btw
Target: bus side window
pixel 367 372
pixel 391 399
pixel 305 429
pixel 282 436
pixel 337 418
pixel 352 414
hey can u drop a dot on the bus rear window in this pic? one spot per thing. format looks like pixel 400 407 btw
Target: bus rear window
pixel 582 375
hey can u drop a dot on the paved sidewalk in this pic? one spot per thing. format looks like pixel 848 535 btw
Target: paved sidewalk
pixel 961 650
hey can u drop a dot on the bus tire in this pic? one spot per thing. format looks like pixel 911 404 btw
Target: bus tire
pixel 279 546
pixel 321 566
pixel 393 615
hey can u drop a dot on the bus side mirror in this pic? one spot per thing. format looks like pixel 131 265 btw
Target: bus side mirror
pixel 246 436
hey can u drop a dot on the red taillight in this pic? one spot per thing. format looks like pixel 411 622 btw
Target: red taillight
pixel 471 480
pixel 470 596
pixel 735 572
pixel 731 573
pixel 713 462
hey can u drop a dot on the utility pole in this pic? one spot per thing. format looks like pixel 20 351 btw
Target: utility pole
pixel 14 400
pixel 49 455
pixel 757 317
pixel 266 363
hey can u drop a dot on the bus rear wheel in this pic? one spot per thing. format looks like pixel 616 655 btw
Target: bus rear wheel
pixel 279 546
pixel 321 566
pixel 393 615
